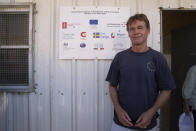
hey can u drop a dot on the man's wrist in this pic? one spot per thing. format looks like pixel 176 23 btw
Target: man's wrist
pixel 153 110
pixel 117 107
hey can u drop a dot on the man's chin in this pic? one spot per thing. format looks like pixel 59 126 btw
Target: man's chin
pixel 137 44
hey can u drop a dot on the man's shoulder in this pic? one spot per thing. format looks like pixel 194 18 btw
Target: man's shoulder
pixel 122 53
pixel 156 54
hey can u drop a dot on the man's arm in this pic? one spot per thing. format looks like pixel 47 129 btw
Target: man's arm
pixel 186 106
pixel 121 113
pixel 146 117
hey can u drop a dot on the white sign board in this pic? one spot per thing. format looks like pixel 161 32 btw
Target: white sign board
pixel 90 32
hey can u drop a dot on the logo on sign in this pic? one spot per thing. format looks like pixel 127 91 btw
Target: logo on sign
pixel 93 22
pixel 64 25
pixel 83 34
pixel 82 45
pixel 122 35
pixel 100 35
pixel 96 35
pixel 112 35
pixel 65 44
pixel 98 46
pixel 123 24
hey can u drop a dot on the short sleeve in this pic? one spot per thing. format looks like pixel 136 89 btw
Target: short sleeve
pixel 164 77
pixel 114 72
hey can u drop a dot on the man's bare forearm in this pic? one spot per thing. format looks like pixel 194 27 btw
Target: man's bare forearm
pixel 114 97
pixel 121 113
pixel 161 99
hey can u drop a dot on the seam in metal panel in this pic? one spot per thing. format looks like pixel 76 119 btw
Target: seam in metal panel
pixel 152 31
pixel 139 6
pixel 97 93
pixel 10 113
pixel 161 3
pixel 181 3
pixel 117 3
pixel 73 96
pixel 32 8
pixel 52 60
pixel 4 109
pixel 12 1
pixel 161 31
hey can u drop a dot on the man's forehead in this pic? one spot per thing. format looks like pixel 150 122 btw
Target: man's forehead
pixel 137 23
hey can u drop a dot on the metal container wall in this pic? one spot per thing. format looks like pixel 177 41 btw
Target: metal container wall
pixel 71 95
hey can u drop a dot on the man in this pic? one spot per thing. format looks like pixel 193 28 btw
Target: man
pixel 189 92
pixel 136 76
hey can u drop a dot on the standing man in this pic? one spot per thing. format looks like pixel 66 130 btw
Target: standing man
pixel 136 77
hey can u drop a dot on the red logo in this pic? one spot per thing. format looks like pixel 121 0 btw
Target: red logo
pixel 112 35
pixel 64 25
pixel 83 34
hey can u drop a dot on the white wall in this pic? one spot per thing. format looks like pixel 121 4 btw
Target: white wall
pixel 71 95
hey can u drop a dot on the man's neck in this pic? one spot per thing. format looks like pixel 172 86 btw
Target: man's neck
pixel 139 48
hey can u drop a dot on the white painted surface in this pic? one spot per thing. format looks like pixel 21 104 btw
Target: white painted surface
pixel 71 95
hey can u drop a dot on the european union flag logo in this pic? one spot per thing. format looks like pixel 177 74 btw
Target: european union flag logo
pixel 93 22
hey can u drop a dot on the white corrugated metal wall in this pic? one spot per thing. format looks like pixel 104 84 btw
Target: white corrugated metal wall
pixel 71 95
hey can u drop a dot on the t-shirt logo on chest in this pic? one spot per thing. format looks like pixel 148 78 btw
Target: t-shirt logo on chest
pixel 151 66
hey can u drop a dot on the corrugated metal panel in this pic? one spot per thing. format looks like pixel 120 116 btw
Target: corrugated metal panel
pixel 3 112
pixel 19 112
pixel 63 101
pixel 105 107
pixel 71 95
pixel 86 96
pixel 40 102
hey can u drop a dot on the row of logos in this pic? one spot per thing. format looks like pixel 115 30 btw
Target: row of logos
pixel 92 23
pixel 95 35
pixel 96 46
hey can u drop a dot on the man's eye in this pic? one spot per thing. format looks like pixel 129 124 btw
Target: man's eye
pixel 131 29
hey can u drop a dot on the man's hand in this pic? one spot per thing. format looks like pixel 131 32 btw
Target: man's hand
pixel 186 107
pixel 121 113
pixel 123 117
pixel 145 119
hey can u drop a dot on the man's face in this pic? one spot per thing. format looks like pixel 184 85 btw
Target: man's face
pixel 138 32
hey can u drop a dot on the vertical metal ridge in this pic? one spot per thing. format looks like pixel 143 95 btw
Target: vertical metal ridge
pixel 4 109
pixel 161 3
pixel 115 3
pixel 73 96
pixel 32 9
pixel 97 93
pixel 52 60
pixel 152 30
pixel 139 6
pixel 10 112
pixel 161 30
pixel 181 3
pixel 12 1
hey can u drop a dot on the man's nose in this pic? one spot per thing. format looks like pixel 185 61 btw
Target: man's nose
pixel 136 31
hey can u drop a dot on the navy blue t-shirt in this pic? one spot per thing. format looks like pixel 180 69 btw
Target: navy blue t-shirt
pixel 138 78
